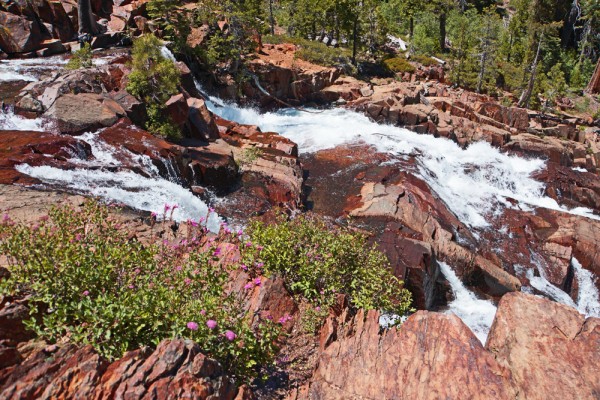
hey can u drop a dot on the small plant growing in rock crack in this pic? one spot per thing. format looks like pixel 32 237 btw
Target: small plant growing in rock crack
pixel 81 58
pixel 249 156
pixel 87 280
pixel 318 262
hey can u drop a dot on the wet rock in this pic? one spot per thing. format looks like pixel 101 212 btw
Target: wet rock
pixel 551 349
pixel 431 356
pixel 36 148
pixel 412 261
pixel 76 113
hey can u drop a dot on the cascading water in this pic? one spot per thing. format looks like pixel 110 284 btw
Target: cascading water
pixel 475 183
pixel 10 121
pixel 588 298
pixel 477 314
pixel 110 182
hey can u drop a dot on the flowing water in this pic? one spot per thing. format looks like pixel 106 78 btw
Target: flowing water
pixel 476 183
pixel 477 314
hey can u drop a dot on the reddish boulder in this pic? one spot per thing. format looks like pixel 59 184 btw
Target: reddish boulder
pixel 20 35
pixel 177 109
pixel 430 356
pixel 201 122
pixel 552 351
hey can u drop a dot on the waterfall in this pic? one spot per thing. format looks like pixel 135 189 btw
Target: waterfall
pixel 110 179
pixel 475 183
pixel 477 314
pixel 13 122
pixel 588 299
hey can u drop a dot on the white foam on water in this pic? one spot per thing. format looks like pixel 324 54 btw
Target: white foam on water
pixel 476 313
pixel 475 183
pixel 147 193
pixel 10 121
pixel 129 188
pixel 588 298
pixel 542 284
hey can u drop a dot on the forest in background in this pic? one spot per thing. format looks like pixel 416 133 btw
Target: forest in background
pixel 542 51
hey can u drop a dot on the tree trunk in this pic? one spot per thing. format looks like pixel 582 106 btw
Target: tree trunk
pixel 87 23
pixel 354 40
pixel 411 27
pixel 594 85
pixel 271 18
pixel 526 95
pixel 443 32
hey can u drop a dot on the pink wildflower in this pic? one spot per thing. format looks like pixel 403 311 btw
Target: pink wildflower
pixel 187 281
pixel 86 293
pixel 285 319
pixel 230 335
pixel 211 323
pixel 257 281
pixel 167 207
pixel 202 312
pixel 192 326
pixel 248 286
pixel 217 252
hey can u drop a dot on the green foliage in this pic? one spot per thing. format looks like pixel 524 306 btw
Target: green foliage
pixel 399 65
pixel 426 34
pixel 81 58
pixel 318 262
pixel 90 282
pixel 423 60
pixel 154 79
pixel 555 84
pixel 175 22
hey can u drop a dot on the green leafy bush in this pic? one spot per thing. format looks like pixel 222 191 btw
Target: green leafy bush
pixel 88 281
pixel 154 79
pixel 81 58
pixel 318 262
pixel 399 65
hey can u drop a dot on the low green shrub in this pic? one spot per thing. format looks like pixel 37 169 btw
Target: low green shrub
pixel 88 281
pixel 399 65
pixel 313 51
pixel 81 58
pixel 318 262
pixel 423 60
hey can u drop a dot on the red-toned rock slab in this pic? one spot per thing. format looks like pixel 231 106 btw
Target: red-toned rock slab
pixel 552 351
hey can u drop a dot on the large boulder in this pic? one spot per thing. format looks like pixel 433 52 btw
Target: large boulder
pixel 430 356
pixel 552 351
pixel 19 34
pixel 77 113
pixel 201 122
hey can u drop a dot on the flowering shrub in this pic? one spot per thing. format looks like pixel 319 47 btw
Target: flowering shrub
pixel 317 262
pixel 91 283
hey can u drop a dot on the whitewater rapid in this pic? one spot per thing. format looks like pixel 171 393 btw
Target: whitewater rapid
pixel 475 183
